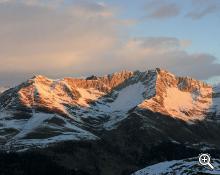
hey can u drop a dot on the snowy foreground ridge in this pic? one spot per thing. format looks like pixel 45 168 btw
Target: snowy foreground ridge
pixel 180 167
pixel 42 111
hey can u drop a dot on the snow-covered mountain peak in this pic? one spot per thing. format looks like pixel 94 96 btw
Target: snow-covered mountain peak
pixel 121 73
pixel 156 90
pixel 38 77
pixel 102 102
pixel 179 97
pixel 188 166
pixel 2 89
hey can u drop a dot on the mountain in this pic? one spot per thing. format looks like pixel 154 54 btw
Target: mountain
pixel 2 89
pixel 183 167
pixel 41 108
pixel 118 123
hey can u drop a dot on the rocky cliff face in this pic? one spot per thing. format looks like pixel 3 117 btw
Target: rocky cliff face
pixel 52 95
pixel 180 97
pixel 44 111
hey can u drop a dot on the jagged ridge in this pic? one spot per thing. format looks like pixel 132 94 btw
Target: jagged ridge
pixel 78 108
pixel 180 97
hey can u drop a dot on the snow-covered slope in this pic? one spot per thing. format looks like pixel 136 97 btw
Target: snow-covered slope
pixel 214 110
pixel 39 129
pixel 182 98
pixel 2 89
pixel 52 110
pixel 180 167
pixel 155 90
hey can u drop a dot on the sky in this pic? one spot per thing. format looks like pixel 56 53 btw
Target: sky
pixel 75 38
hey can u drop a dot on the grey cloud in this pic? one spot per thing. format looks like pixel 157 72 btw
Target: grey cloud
pixel 165 9
pixel 142 54
pixel 42 39
pixel 159 9
pixel 82 39
pixel 158 42
pixel 35 36
pixel 202 8
pixel 149 53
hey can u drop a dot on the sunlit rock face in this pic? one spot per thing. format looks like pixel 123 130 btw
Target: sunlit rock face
pixel 49 110
pixel 156 90
pixel 179 97
pixel 44 93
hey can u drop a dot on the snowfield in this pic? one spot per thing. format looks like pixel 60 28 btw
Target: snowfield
pixel 42 110
pixel 37 124
pixel 179 167
pixel 127 98
pixel 2 89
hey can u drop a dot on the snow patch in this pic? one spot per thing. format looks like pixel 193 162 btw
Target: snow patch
pixel 183 167
pixel 127 98
pixel 34 122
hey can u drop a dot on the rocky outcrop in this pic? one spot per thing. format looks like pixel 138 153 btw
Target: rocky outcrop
pixel 179 97
pixel 128 120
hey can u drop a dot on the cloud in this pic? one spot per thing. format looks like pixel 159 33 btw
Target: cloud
pixel 160 9
pixel 166 9
pixel 145 53
pixel 35 37
pixel 202 8
pixel 167 53
pixel 82 38
pixel 53 3
pixel 157 42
